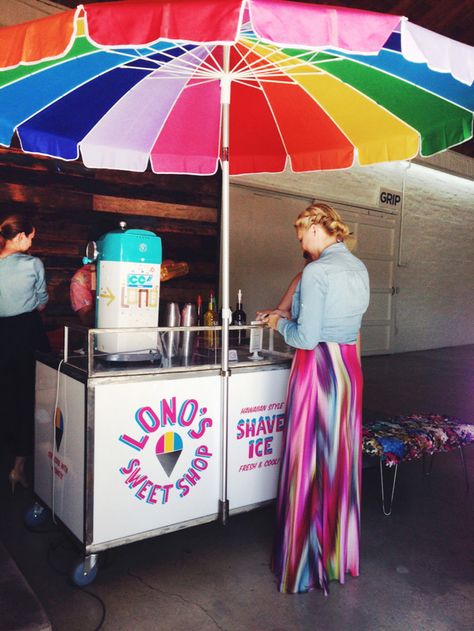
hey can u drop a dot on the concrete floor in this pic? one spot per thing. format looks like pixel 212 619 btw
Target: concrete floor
pixel 417 566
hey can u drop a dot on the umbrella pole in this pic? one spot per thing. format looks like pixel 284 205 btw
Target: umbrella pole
pixel 226 312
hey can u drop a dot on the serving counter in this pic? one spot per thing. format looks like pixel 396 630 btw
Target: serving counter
pixel 133 446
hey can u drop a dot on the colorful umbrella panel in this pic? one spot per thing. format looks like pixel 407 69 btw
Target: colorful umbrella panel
pixel 120 96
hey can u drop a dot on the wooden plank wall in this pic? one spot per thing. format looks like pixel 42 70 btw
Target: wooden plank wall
pixel 71 205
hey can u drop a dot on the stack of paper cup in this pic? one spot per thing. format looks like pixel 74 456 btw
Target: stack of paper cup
pixel 171 339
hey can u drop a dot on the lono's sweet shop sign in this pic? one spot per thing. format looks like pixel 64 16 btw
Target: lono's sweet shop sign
pixel 173 436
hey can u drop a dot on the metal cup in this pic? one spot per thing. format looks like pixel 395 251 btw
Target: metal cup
pixel 188 318
pixel 171 339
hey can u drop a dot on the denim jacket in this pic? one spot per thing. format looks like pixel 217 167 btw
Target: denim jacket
pixel 329 301
pixel 22 284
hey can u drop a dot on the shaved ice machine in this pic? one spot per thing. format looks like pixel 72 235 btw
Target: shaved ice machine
pixel 128 287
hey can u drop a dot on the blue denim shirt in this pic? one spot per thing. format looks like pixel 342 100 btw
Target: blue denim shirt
pixel 22 284
pixel 329 301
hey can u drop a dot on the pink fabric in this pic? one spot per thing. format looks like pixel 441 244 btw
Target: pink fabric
pixel 142 22
pixel 314 25
pixel 189 142
pixel 80 291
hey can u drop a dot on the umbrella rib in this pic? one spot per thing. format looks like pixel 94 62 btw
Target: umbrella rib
pixel 202 63
pixel 178 66
pixel 273 49
pixel 281 81
pixel 250 49
pixel 248 69
pixel 206 64
pixel 271 68
pixel 217 67
pixel 196 83
pixel 266 70
pixel 251 84
pixel 140 56
pixel 179 73
pixel 257 80
pixel 182 64
pixel 130 56
pixel 261 63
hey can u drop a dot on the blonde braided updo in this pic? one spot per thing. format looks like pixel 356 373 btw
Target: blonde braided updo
pixel 327 217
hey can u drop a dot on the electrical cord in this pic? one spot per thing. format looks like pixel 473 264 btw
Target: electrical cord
pixel 101 603
pixel 53 441
pixel 64 543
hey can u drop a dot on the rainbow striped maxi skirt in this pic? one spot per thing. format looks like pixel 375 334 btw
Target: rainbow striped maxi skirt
pixel 318 506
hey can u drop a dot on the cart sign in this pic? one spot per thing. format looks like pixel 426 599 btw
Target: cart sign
pixel 156 453
pixel 256 423
pixel 168 448
pixel 59 446
pixel 390 200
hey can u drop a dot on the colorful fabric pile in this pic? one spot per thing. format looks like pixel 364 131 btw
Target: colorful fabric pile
pixel 401 438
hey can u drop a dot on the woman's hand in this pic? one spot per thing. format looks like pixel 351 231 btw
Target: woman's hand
pixel 272 320
pixel 264 313
pixel 283 314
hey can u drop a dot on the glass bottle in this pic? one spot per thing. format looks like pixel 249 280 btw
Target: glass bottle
pixel 239 318
pixel 199 320
pixel 211 318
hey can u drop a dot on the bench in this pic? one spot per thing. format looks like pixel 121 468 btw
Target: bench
pixel 400 438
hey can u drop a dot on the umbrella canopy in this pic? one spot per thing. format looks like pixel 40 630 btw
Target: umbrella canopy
pixel 125 85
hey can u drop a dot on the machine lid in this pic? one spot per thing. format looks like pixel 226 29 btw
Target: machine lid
pixel 134 245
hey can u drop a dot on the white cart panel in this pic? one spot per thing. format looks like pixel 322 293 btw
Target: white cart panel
pixel 256 419
pixel 59 446
pixel 156 454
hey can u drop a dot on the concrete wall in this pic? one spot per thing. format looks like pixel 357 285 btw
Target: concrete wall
pixel 435 303
pixel 435 306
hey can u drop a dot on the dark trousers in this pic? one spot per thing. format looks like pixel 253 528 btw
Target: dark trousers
pixel 20 337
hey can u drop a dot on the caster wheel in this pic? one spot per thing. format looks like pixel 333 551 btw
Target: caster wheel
pixel 85 571
pixel 35 516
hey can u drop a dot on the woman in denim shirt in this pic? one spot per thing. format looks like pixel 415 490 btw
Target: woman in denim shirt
pixel 22 295
pixel 318 509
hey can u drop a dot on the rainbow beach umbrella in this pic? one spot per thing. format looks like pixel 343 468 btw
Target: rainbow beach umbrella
pixel 127 85
pixel 183 86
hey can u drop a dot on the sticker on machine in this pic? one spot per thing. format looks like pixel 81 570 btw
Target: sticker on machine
pixel 58 466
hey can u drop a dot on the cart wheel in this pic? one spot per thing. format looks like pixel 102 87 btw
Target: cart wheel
pixel 35 516
pixel 85 571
